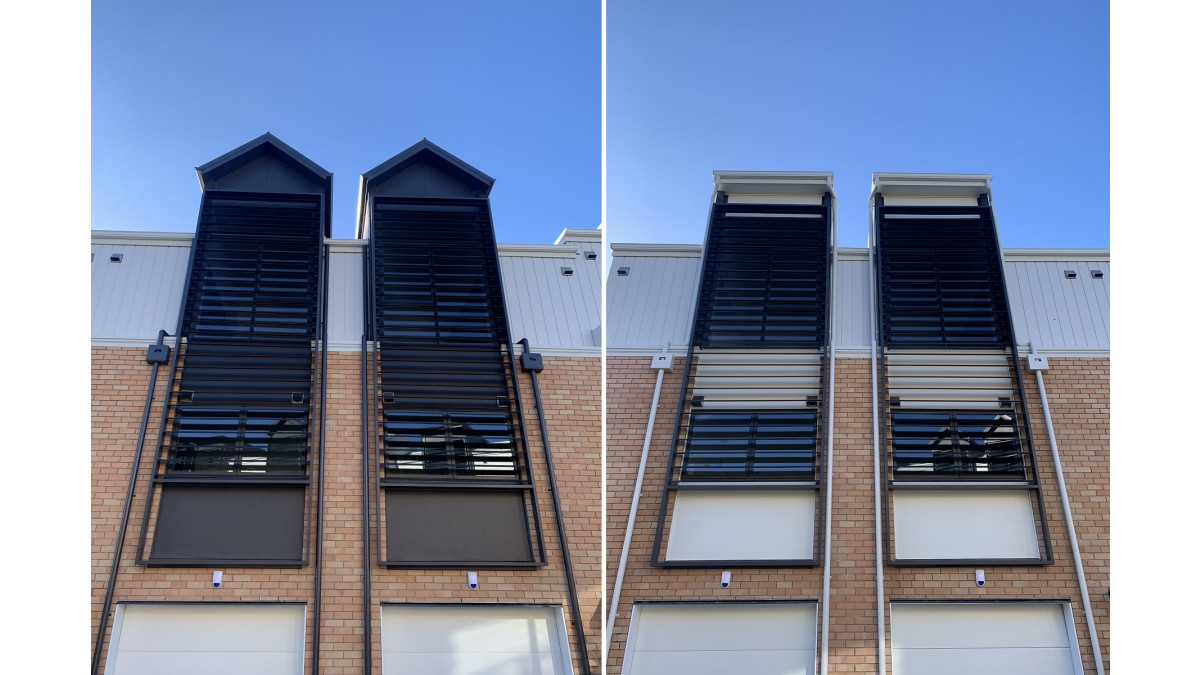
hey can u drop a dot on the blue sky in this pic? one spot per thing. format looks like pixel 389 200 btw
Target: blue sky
pixel 511 88
pixel 1017 89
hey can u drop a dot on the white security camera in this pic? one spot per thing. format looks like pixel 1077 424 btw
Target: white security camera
pixel 979 580
pixel 217 576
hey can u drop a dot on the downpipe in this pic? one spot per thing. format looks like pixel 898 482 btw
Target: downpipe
pixel 532 363
pixel 137 460
pixel 633 507
pixel 828 575
pixel 1062 491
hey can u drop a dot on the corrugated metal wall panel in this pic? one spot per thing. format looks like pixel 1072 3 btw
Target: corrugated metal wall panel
pixel 852 311
pixel 345 294
pixel 654 304
pixel 140 295
pixel 552 310
pixel 1055 312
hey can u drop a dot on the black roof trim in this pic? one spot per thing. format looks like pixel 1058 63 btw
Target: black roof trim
pixel 421 150
pixel 267 143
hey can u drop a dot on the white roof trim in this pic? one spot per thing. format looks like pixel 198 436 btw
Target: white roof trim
pixel 931 184
pixel 578 233
pixel 538 250
pixel 1043 254
pixel 657 250
pixel 142 238
pixel 772 182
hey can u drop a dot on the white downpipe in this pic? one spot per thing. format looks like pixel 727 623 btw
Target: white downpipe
pixel 637 494
pixel 1062 491
pixel 829 472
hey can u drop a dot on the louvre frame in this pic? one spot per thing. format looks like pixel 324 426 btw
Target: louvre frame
pixel 1004 336
pixel 768 220
pixel 219 364
pixel 415 338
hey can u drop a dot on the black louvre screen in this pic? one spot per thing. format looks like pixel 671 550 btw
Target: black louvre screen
pixel 941 285
pixel 245 388
pixel 963 444
pixel 751 445
pixel 444 387
pixel 764 280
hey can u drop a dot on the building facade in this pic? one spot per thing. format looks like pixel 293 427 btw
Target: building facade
pixel 343 456
pixel 829 459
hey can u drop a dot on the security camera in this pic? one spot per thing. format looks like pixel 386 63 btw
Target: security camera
pixel 217 576
pixel 979 580
pixel 472 580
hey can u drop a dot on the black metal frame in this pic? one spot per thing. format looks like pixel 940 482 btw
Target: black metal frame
pixel 220 321
pixel 981 321
pixel 787 301
pixel 429 312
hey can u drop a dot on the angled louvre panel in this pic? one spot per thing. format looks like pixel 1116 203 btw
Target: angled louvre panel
pixel 764 279
pixel 250 316
pixel 757 378
pixel 940 278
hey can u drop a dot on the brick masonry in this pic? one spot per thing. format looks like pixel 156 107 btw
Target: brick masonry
pixel 1077 390
pixel 572 397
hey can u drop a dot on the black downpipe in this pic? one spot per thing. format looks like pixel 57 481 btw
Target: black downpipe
pixel 367 414
pixel 116 561
pixel 576 617
pixel 323 337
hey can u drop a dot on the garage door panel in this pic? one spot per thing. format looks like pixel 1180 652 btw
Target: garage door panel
pixel 978 626
pixel 722 638
pixel 983 639
pixel 779 662
pixel 198 639
pixel 720 627
pixel 206 663
pixel 472 640
pixel 409 663
pixel 983 661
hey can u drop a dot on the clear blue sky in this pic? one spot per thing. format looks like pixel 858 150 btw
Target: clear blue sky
pixel 1016 89
pixel 514 89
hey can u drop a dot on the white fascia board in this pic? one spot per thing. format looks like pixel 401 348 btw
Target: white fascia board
pixel 577 233
pixel 656 250
pixel 538 250
pixel 142 238
pixel 772 183
pixel 930 184
pixel 855 253
pixel 1044 254
pixel 345 245
pixel 680 349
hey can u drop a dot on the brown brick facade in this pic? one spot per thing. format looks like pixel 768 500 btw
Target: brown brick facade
pixel 572 397
pixel 1077 390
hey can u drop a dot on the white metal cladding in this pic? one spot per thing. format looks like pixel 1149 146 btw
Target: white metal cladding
pixel 474 639
pixel 653 305
pixel 552 310
pixel 948 378
pixel 757 378
pixel 983 639
pixel 140 295
pixel 742 525
pixel 851 304
pixel 345 293
pixel 1055 312
pixel 718 639
pixel 964 524
pixel 200 639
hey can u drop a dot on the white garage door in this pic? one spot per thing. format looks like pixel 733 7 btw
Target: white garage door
pixel 474 639
pixel 746 639
pixel 983 639
pixel 196 639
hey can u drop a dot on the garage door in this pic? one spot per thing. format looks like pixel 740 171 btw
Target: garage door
pixel 767 639
pixel 983 639
pixel 474 639
pixel 194 639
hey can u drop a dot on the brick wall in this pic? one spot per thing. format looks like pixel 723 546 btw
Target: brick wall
pixel 571 395
pixel 1078 393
